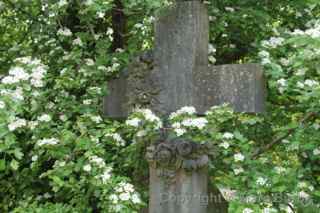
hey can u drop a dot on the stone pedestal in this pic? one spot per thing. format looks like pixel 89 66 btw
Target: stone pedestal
pixel 178 177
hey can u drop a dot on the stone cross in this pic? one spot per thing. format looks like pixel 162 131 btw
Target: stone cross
pixel 174 75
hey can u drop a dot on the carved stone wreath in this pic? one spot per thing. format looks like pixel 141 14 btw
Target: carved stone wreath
pixel 169 156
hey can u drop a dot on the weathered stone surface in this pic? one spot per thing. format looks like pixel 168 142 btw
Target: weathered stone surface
pixel 177 73
pixel 178 177
pixel 241 85
pixel 181 45
pixel 114 104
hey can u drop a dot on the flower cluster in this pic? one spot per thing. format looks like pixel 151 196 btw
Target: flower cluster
pixel 184 119
pixel 47 141
pixel 313 31
pixel 103 171
pixel 144 120
pixel 117 138
pixel 64 32
pixel 124 192
pixel 187 110
pixel 17 123
pixel 273 42
pixel 31 70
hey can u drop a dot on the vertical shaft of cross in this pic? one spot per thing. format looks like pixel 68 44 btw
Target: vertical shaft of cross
pixel 181 50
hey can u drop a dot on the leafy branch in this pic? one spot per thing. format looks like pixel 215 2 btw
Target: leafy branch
pixel 277 140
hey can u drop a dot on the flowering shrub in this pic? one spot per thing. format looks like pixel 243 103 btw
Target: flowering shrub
pixel 236 165
pixel 57 154
pixel 62 152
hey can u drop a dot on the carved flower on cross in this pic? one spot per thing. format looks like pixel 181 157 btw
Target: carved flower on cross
pixel 184 148
pixel 164 153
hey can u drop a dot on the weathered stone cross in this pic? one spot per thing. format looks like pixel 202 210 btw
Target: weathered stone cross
pixel 177 74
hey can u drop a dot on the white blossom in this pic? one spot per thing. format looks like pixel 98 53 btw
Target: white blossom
pixel 211 49
pixel 106 175
pixel 150 116
pixel 301 72
pixel 311 188
pixel 225 145
pixel 311 83
pixel 239 157
pixel 97 160
pixel 77 41
pixel 63 117
pixel 113 68
pixel 282 82
pixel 180 131
pixel 265 61
pixel 62 3
pixel 87 168
pixel 212 59
pixel 9 80
pixel 142 133
pixel 33 124
pixel 64 32
pixel 229 9
pixel 128 187
pixel 273 42
pixel 87 102
pixel 110 33
pixel 100 14
pixel 117 137
pixel 18 123
pixel 247 210
pixel 114 198
pixel 269 210
pixel 47 141
pixel 189 110
pixel 279 169
pixel 62 164
pixel 261 181
pixel 44 118
pixel 24 60
pixel 284 62
pixel 124 196
pixel 88 2
pixel 264 54
pixel 2 105
pixel 300 85
pixel 228 135
pixel 316 126
pixel 199 123
pixel 89 62
pixel 34 158
pixel 302 184
pixel 303 195
pixel 96 119
pixel 238 170
pixel 135 198
pixel 133 122
pixel 19 73
pixel 316 151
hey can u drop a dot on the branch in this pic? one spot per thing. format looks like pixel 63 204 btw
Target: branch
pixel 279 139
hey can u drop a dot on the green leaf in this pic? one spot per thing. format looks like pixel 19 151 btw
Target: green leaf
pixel 18 154
pixel 2 165
pixel 14 164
